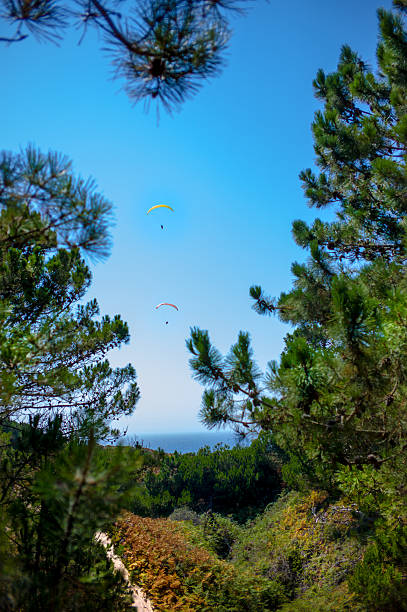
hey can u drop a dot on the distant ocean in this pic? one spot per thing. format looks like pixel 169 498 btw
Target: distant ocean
pixel 184 442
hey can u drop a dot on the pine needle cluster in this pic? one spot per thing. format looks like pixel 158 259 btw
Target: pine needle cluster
pixel 162 50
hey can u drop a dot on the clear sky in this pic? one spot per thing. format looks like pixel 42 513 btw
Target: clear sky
pixel 228 163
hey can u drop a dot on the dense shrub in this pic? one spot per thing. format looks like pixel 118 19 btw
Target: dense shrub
pixel 295 556
pixel 326 598
pixel 239 481
pixel 380 579
pixel 214 532
pixel 304 552
pixel 308 545
pixel 185 514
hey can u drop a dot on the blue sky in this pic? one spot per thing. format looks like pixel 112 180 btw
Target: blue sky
pixel 228 163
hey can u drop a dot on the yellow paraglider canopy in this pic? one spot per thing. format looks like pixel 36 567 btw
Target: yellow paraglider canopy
pixel 160 206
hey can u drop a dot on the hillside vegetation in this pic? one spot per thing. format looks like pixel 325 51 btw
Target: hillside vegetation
pixel 313 514
pixel 303 552
pixel 334 405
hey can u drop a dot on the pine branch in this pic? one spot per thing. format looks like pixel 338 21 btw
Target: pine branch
pixel 114 31
pixel 11 40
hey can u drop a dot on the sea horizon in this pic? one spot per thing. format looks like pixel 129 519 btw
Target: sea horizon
pixel 183 442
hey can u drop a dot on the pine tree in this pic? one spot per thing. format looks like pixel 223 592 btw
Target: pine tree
pixel 58 393
pixel 52 349
pixel 335 400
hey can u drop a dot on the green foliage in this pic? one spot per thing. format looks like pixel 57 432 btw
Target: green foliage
pixel 220 534
pixel 379 580
pixel 324 599
pixel 210 530
pixel 58 392
pixel 60 498
pixel 297 472
pixel 306 544
pixel 235 384
pixel 335 402
pixel 52 349
pixel 236 481
pixel 92 585
pixel 185 514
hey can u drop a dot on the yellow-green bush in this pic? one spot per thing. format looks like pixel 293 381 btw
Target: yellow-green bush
pixel 306 544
